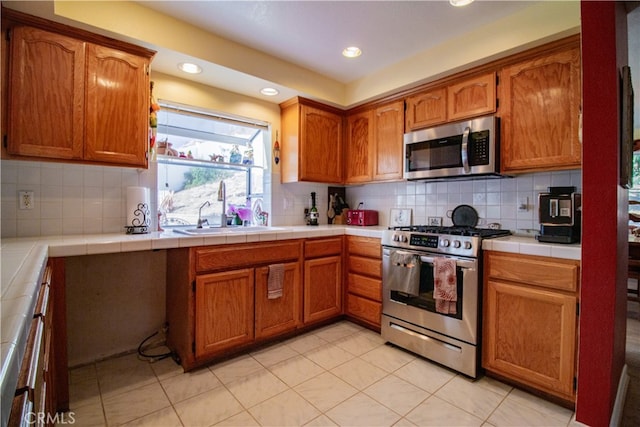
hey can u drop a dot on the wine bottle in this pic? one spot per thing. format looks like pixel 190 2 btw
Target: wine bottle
pixel 313 213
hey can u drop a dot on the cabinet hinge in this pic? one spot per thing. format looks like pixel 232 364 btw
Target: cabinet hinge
pixel 193 347
pixel 7 35
pixel 5 140
pixel 577 309
pixel 497 102
pixel 193 286
pixel 575 383
pixel 497 79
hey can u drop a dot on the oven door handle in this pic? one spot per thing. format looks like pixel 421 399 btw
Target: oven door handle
pixel 463 264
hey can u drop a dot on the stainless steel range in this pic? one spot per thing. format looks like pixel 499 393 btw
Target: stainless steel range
pixel 431 301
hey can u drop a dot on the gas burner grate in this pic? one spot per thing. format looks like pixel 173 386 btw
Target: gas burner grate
pixel 485 233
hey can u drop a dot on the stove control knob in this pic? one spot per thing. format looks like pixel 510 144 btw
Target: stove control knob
pixel 445 243
pixel 456 243
pixel 404 239
pixel 396 238
pixel 467 245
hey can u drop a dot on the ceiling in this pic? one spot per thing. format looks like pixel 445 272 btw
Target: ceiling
pixel 312 34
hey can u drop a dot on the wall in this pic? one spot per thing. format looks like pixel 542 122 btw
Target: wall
pixel 496 200
pixel 605 216
pixel 114 302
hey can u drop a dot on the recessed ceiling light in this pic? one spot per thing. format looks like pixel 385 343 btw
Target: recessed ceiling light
pixel 190 68
pixel 269 91
pixel 460 3
pixel 351 52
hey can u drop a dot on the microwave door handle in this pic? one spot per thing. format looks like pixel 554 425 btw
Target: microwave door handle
pixel 465 150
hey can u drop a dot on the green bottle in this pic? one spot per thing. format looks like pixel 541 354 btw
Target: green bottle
pixel 313 213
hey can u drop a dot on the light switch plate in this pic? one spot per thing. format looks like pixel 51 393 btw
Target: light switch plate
pixel 25 200
pixel 523 204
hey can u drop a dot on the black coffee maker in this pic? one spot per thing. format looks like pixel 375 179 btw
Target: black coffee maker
pixel 560 213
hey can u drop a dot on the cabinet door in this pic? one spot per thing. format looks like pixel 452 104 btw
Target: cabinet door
pixel 530 335
pixel 46 94
pixel 278 315
pixel 320 154
pixel 322 288
pixel 117 110
pixel 472 97
pixel 540 112
pixel 358 147
pixel 426 109
pixel 224 311
pixel 388 131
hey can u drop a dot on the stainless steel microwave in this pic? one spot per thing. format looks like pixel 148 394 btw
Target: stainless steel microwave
pixel 468 149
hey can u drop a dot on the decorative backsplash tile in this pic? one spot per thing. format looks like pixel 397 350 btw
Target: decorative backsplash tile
pixel 89 199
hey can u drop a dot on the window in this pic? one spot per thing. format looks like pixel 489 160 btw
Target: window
pixel 197 149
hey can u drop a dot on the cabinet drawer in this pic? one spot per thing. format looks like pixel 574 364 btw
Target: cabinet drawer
pixel 367 266
pixel 322 247
pixel 364 309
pixel 534 270
pixel 365 246
pixel 250 255
pixel 365 286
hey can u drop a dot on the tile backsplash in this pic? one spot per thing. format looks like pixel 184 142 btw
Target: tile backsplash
pixel 496 200
pixel 88 199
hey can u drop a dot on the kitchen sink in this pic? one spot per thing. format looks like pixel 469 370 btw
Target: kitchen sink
pixel 220 230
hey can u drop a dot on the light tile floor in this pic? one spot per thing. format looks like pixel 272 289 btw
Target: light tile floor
pixel 341 374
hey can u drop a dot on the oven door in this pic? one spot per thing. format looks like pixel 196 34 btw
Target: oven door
pixel 420 309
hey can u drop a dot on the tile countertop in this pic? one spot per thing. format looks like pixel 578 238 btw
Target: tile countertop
pixel 24 259
pixel 530 246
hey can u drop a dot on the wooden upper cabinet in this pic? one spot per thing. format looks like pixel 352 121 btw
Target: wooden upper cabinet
pixel 472 97
pixel 75 95
pixel 311 145
pixel 374 149
pixel 388 149
pixel 426 109
pixel 358 147
pixel 46 94
pixel 117 115
pixel 540 111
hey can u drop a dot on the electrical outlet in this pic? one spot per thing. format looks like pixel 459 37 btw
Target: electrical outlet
pixel 435 221
pixel 25 200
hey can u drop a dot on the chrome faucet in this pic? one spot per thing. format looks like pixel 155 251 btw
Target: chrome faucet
pixel 200 220
pixel 222 197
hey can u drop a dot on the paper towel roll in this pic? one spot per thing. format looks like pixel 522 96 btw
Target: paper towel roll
pixel 138 209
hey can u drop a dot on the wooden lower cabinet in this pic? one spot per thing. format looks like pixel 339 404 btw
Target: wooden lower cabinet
pixel 224 311
pixel 279 315
pixel 217 299
pixel 364 281
pixel 530 322
pixel 322 279
pixel 40 394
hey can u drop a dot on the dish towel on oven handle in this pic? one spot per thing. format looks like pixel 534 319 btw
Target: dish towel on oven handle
pixel 275 281
pixel 445 290
pixel 404 272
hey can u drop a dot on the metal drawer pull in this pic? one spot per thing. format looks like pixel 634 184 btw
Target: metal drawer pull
pixel 426 338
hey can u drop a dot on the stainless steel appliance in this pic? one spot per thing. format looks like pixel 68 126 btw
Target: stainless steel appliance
pixel 465 149
pixel 410 318
pixel 560 212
